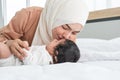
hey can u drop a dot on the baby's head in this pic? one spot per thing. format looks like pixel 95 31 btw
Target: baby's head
pixel 67 51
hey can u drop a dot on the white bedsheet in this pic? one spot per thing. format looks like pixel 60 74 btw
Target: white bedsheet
pixel 100 60
pixel 100 70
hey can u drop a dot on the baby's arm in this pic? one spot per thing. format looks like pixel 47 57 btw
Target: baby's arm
pixel 4 51
pixel 37 55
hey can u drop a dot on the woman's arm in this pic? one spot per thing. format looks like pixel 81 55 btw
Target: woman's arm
pixel 20 23
pixel 14 28
pixel 12 33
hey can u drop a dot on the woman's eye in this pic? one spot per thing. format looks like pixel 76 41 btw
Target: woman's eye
pixel 74 33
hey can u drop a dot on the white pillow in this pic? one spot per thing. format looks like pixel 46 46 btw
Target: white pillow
pixel 99 44
pixel 91 55
pixel 98 49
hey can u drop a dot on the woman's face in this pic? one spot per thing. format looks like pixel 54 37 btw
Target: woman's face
pixel 67 31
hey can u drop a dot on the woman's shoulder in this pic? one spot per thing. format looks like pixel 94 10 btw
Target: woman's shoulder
pixel 32 9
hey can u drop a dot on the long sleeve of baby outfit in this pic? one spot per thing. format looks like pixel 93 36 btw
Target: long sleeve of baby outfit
pixel 37 55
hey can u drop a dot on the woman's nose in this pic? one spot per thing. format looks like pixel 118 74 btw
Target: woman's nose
pixel 67 35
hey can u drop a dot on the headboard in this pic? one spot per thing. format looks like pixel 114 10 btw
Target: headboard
pixel 102 24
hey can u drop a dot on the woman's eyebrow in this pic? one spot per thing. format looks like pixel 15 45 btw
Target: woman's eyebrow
pixel 77 31
pixel 71 29
pixel 68 26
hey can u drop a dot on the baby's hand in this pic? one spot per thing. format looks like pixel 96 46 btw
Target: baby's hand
pixel 52 45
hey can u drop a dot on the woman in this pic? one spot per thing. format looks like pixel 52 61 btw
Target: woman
pixel 60 19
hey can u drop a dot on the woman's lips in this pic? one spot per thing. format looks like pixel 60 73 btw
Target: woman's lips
pixel 57 37
pixel 60 37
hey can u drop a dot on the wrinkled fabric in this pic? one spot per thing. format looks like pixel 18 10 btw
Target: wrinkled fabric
pixel 22 26
pixel 37 55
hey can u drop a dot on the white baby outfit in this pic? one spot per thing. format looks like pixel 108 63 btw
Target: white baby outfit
pixel 37 55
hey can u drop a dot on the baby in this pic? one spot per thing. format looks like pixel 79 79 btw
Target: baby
pixel 55 52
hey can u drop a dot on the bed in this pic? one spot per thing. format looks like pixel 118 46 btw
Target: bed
pixel 100 60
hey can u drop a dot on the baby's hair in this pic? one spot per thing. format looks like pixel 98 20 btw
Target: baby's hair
pixel 67 52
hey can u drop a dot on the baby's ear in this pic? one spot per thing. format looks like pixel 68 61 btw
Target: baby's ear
pixel 55 53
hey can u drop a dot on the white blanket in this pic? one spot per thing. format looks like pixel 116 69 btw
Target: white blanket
pixel 65 71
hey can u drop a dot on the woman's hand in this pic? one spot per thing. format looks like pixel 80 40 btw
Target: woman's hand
pixel 16 46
